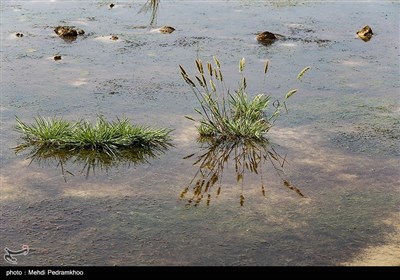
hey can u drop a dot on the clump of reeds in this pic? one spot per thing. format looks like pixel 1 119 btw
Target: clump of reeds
pixel 231 116
pixel 103 136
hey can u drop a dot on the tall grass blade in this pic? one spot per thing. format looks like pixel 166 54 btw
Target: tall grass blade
pixel 302 72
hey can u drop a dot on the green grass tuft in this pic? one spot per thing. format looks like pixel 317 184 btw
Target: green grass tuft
pixel 231 116
pixel 103 136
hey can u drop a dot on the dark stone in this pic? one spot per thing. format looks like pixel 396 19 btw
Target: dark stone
pixel 68 31
pixel 266 37
pixel 167 29
pixel 365 33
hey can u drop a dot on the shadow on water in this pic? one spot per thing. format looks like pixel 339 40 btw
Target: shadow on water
pixel 247 157
pixel 89 160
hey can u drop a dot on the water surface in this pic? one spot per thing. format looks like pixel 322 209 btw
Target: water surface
pixel 340 137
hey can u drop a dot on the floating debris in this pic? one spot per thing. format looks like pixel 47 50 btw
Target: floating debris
pixel 114 37
pixel 166 29
pixel 19 34
pixel 57 57
pixel 365 33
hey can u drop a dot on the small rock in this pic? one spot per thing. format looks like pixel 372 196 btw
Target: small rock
pixel 65 31
pixel 365 33
pixel 167 29
pixel 57 57
pixel 68 31
pixel 266 37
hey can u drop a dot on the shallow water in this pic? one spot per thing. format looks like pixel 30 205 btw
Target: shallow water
pixel 340 137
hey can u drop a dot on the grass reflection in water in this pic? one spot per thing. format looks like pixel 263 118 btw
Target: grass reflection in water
pixel 89 160
pixel 247 157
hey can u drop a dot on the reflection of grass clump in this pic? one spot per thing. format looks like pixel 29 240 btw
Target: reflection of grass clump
pixel 231 116
pixel 246 157
pixel 103 136
pixel 89 160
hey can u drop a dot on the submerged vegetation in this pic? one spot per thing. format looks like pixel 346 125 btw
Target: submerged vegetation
pixel 232 116
pixel 247 157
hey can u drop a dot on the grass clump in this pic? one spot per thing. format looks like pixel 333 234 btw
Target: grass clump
pixel 232 116
pixel 103 136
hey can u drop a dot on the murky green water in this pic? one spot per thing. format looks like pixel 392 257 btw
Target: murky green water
pixel 340 137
